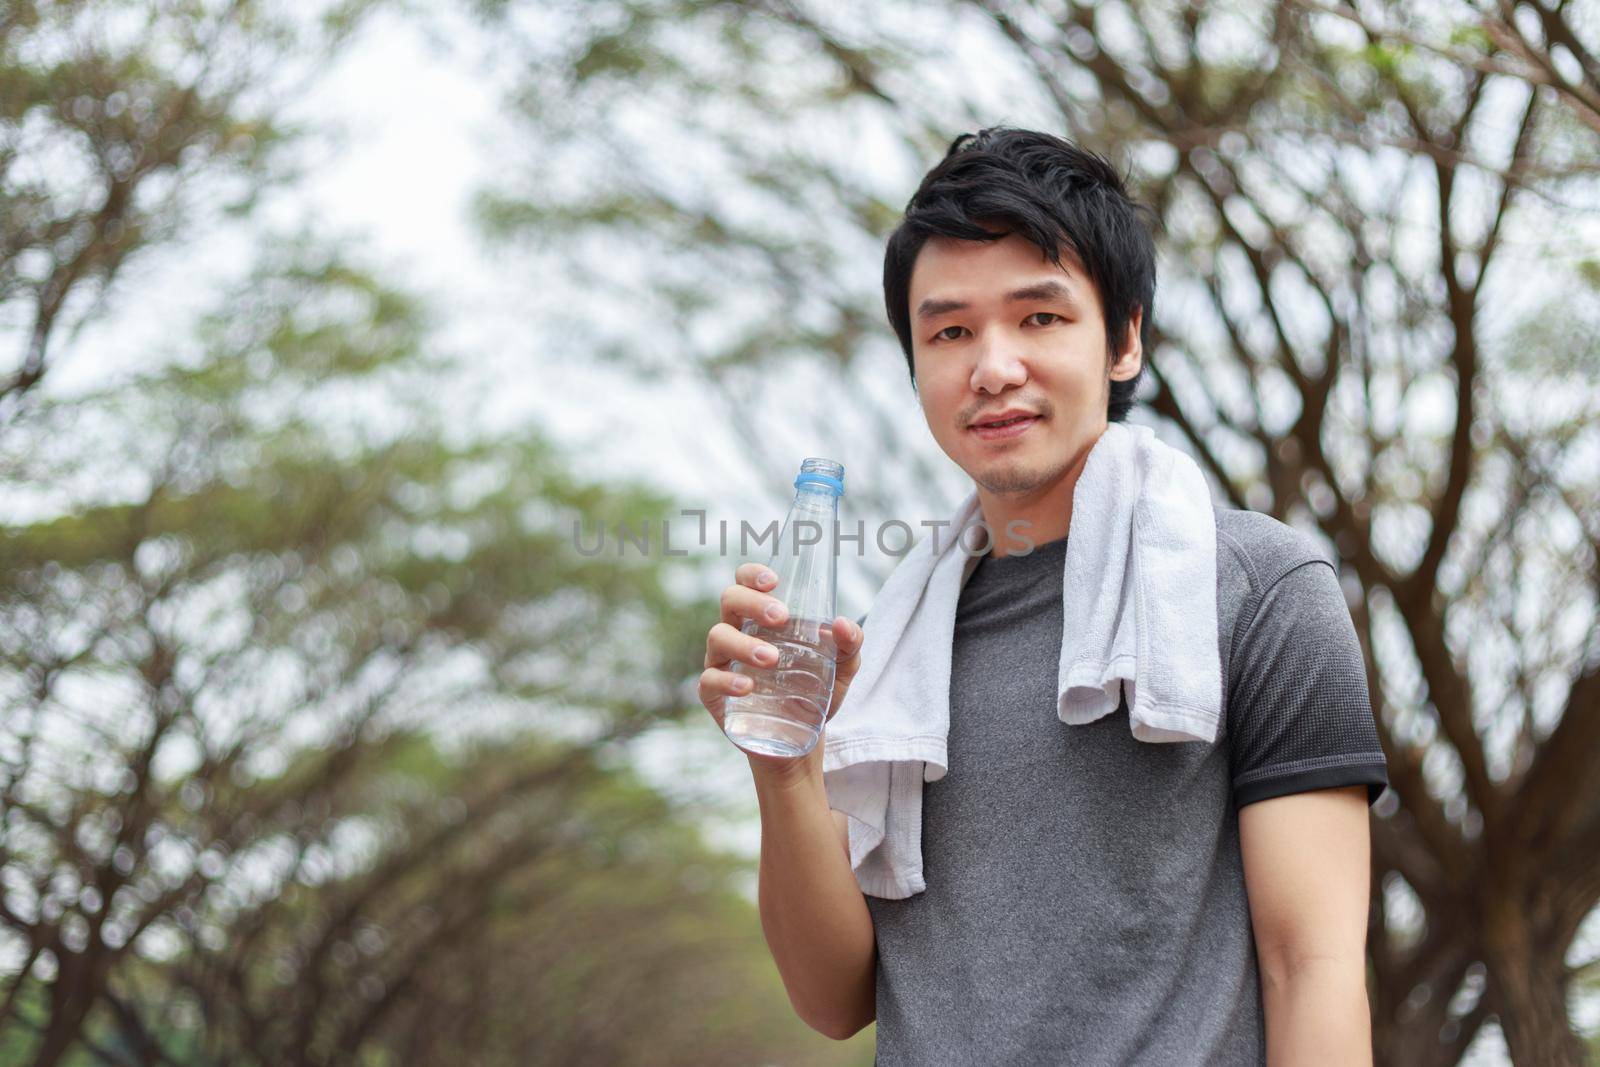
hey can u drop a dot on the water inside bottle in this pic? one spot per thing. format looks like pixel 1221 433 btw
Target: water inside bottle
pixel 783 713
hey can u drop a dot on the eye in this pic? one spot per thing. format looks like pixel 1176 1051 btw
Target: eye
pixel 940 336
pixel 1047 314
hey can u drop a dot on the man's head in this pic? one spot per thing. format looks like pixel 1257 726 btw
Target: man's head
pixel 1011 212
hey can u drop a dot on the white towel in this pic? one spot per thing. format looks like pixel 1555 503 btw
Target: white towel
pixel 1140 600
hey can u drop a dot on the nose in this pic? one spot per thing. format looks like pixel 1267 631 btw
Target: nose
pixel 999 366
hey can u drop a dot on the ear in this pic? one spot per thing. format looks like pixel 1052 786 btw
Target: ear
pixel 1131 356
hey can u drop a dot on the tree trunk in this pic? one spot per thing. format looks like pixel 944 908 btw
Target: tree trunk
pixel 69 1007
pixel 1408 1033
pixel 1531 996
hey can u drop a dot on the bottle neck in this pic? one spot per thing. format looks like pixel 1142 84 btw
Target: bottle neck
pixel 815 498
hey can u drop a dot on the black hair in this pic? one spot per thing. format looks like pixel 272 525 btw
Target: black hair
pixel 1055 194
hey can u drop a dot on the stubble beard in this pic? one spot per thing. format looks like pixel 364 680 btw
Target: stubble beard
pixel 1016 476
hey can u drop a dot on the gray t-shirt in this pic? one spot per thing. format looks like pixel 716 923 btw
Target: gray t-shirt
pixel 1085 898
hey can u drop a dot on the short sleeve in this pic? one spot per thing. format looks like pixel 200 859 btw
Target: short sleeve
pixel 1299 716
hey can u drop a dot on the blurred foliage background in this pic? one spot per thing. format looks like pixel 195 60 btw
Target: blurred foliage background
pixel 321 742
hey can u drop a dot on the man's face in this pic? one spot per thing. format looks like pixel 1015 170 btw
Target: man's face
pixel 1042 353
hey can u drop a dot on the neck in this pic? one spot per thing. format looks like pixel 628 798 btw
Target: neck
pixel 1040 514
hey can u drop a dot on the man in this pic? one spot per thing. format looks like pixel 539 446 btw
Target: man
pixel 1091 898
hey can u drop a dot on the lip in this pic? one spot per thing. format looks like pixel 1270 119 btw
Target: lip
pixel 1004 433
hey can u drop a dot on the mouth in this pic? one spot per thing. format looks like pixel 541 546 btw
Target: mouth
pixel 1004 429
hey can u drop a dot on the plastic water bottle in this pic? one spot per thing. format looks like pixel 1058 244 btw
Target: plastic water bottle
pixel 783 713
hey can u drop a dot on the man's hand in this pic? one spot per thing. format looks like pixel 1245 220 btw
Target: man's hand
pixel 750 597
pixel 1307 860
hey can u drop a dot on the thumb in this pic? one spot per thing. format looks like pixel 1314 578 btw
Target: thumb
pixel 848 639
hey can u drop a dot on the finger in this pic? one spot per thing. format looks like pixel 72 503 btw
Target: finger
pixel 847 641
pixel 847 660
pixel 725 644
pixel 739 602
pixel 848 637
pixel 717 685
pixel 726 683
pixel 756 576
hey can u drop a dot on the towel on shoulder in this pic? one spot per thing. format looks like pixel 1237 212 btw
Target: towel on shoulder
pixel 1139 589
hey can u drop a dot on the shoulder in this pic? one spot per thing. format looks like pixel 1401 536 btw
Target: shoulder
pixel 1297 712
pixel 1274 579
pixel 1263 548
pixel 1255 552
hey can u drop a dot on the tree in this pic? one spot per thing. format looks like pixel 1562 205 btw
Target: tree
pixel 281 773
pixel 1353 199
pixel 125 126
pixel 526 905
pixel 287 588
pixel 313 720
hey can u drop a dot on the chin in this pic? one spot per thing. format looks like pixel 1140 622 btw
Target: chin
pixel 1013 475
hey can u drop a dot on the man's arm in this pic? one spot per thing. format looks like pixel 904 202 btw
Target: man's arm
pixel 812 911
pixel 1307 860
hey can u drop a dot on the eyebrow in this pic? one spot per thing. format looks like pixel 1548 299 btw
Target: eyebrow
pixel 1049 290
